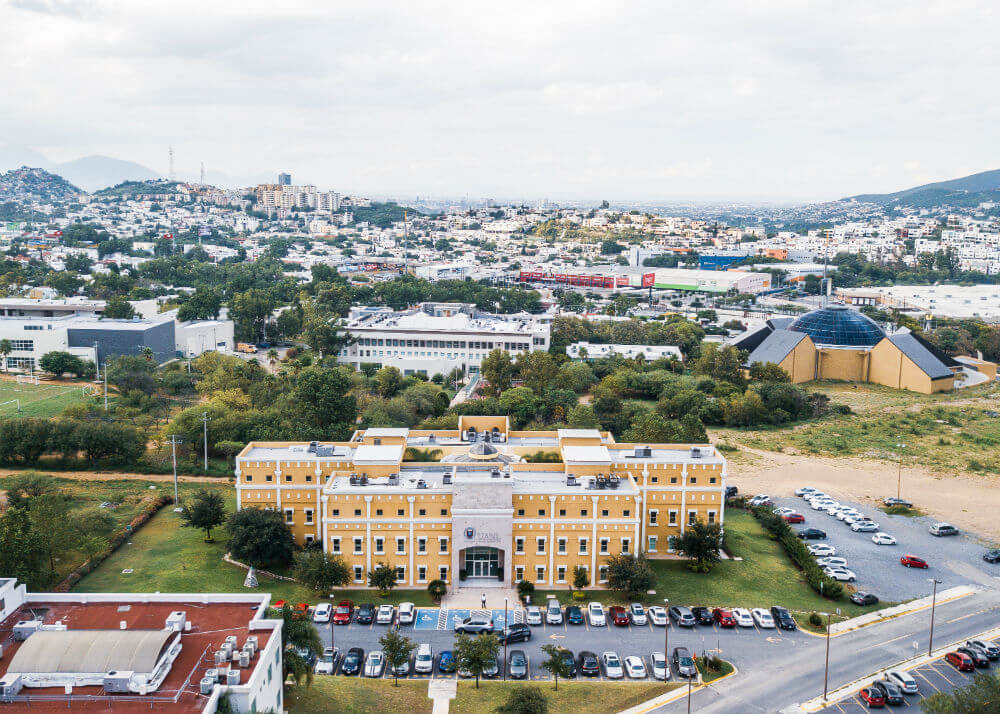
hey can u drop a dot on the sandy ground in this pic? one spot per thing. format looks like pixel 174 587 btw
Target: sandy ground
pixel 968 502
pixel 116 476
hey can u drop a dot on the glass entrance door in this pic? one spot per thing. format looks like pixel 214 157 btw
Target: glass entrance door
pixel 482 562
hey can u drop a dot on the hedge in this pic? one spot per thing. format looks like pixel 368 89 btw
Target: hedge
pixel 798 551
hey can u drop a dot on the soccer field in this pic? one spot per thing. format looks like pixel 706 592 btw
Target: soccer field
pixel 38 400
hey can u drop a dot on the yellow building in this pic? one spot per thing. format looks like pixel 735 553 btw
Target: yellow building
pixel 464 506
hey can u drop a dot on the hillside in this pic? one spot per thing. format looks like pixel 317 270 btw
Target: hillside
pixel 965 192
pixel 138 188
pixel 28 184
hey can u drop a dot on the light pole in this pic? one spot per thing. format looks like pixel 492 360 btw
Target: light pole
pixel 826 667
pixel 899 472
pixel 204 419
pixel 174 441
pixel 930 640
pixel 690 685
pixel 666 640
pixel 505 638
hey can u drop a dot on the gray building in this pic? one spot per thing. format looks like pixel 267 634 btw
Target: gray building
pixel 125 337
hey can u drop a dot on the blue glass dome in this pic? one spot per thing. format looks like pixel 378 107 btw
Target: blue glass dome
pixel 839 325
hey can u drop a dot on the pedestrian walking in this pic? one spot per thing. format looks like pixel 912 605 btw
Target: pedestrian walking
pixel 484 601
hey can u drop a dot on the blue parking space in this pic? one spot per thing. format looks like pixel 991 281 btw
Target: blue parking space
pixel 432 618
pixel 426 619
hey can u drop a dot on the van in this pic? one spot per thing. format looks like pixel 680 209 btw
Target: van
pixel 943 529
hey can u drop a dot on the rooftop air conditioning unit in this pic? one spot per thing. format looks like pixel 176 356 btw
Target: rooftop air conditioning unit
pixel 421 483
pixel 253 642
pixel 495 473
pixel 613 481
pixel 643 452
pixel 221 656
pixel 207 685
pixel 244 659
pixel 312 447
pixel 446 479
pixel 10 685
pixel 571 480
pixel 364 481
pixel 176 620
pixel 695 452
pixel 25 629
pixel 233 677
pixel 117 682
pixel 393 479
pixel 354 480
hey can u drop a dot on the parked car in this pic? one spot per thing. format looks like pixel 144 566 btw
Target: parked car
pixel 760 500
pixel 635 668
pixel 804 490
pixel 366 614
pixel 553 612
pixel 842 575
pixel 300 611
pixel 883 539
pixel 872 696
pixel 595 611
pixel 903 680
pixel 912 561
pixel 833 561
pixel 702 615
pixel 352 663
pixel 682 616
pixel 612 665
pixel 822 549
pixel 783 618
pixel 588 664
pixel 943 529
pixel 517 664
pixel 307 655
pixel 402 669
pixel 794 518
pixel 892 501
pixel 407 611
pixel 658 616
pixel 960 661
pixel 743 617
pixel 342 615
pixel 684 663
pixel 474 625
pixel 864 526
pixel 569 660
pixel 862 598
pixel 637 614
pixel 619 616
pixel 574 615
pixel 533 615
pixel 516 632
pixel 724 617
pixel 386 614
pixel 327 663
pixel 322 612
pixel 492 670
pixel 987 648
pixel 782 510
pixel 447 663
pixel 811 534
pixel 763 618
pixel 992 555
pixel 976 655
pixel 660 668
pixel 423 663
pixel 890 692
pixel 374 664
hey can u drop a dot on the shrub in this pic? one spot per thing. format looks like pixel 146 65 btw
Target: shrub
pixel 525 589
pixel 437 589
pixel 815 620
pixel 799 553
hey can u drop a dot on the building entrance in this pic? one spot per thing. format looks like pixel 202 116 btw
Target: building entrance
pixel 482 562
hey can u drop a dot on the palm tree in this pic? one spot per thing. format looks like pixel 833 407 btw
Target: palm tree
pixel 5 349
pixel 297 635
pixel 272 357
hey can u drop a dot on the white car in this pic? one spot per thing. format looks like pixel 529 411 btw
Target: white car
pixel 883 539
pixel 743 617
pixel 612 665
pixel 322 612
pixel 832 510
pixel 864 526
pixel 903 680
pixel 327 661
pixel 374 664
pixel 763 618
pixel 783 511
pixel 760 500
pixel 846 513
pixel 832 561
pixel 407 612
pixel 595 611
pixel 658 616
pixel 804 491
pixel 636 614
pixel 553 613
pixel 635 667
pixel 854 517
pixel 385 614
pixel 821 505
pixel 423 663
pixel 533 615
pixel 660 668
pixel 842 575
pixel 822 549
pixel 814 494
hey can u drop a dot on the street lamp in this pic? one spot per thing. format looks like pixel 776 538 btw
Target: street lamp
pixel 899 472
pixel 826 667
pixel 666 635
pixel 930 640
pixel 174 441
pixel 505 638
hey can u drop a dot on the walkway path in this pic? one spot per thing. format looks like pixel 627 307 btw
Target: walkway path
pixel 468 598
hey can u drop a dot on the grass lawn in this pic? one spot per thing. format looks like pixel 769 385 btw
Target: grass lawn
pixel 709 675
pixel 354 695
pixel 38 400
pixel 764 577
pixel 577 697
pixel 166 557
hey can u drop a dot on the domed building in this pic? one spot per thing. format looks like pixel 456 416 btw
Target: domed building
pixel 837 342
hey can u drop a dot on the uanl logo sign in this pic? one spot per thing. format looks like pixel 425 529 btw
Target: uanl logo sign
pixel 470 533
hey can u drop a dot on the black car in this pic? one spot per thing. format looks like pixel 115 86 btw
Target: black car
pixel 366 614
pixel 811 534
pixel 783 618
pixel 569 661
pixel 731 491
pixel 307 655
pixel 682 616
pixel 353 661
pixel 986 647
pixel 977 656
pixel 703 615
pixel 992 556
pixel 517 632
pixel 588 664
pixel 574 615
pixel 890 692
pixel 897 502
pixel 863 598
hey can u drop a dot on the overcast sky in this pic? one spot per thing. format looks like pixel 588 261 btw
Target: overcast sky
pixel 769 99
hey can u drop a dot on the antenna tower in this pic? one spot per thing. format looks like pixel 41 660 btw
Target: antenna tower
pixel 202 181
pixel 170 155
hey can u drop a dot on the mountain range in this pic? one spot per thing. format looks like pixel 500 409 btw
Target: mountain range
pixel 964 192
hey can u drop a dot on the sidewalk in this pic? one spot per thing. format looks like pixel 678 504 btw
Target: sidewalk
pixel 924 603
pixel 472 598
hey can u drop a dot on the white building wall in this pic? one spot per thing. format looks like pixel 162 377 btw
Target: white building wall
pixel 195 338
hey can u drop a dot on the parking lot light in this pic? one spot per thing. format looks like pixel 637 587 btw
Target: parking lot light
pixel 899 472
pixel 666 635
pixel 930 640
pixel 826 667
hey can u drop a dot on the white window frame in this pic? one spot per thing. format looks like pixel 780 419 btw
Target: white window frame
pixel 379 545
pixel 422 574
pixel 289 516
pixel 422 545
pixel 539 573
pixel 654 516
pixel 518 573
pixel 583 544
pixel 309 517
pixel 602 574
pixel 626 546
pixel 605 545
pixel 400 540
pixel 561 574
pixel 540 543
pixel 711 517
pixel 519 544
pixel 561 546
pixel 359 574
pixel 442 545
pixel 651 545
pixel 443 572
pixel 692 517
pixel 400 573
pixel 672 517
pixel 359 546
pixel 335 545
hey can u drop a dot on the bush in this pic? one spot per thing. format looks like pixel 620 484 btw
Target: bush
pixel 815 620
pixel 437 589
pixel 579 595
pixel 525 588
pixel 798 552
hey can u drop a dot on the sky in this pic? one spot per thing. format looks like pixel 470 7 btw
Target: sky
pixel 783 100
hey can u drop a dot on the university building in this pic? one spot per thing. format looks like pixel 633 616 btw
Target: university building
pixel 483 505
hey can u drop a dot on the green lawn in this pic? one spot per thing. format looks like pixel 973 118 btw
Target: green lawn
pixel 354 695
pixel 166 557
pixel 764 577
pixel 576 697
pixel 41 400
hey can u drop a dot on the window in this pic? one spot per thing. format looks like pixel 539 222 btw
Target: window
pixel 378 511
pixel 604 546
pixel 711 479
pixel 711 516
pixel 400 574
pixel 562 546
pixel 673 518
pixel 540 546
pixel 401 512
pixel 583 512
pixel 269 478
pixel 443 572
pixel 519 573
pixel 561 574
pixel 423 512
pixel 626 545
pixel 310 538
pixel 335 543
pixel 401 546
pixel 562 511
pixel 443 546
pixel 288 478
pixel 422 574
pixel 380 545
pixel 673 479
pixel 692 517
pixel 357 546
pixel 541 511
pixel 309 478
pixel 519 544
pixel 357 513
pixel 290 516
pixel 22 345
pixel 653 516
pixel 249 478
pixel 604 513
pixel 22 363
pixel 602 574
pixel 652 544
pixel 626 513
pixel 421 545
pixel 583 546
pixel 654 479
pixel 336 512
pixel 540 574
pixel 520 512
pixel 309 516
pixel 693 479
pixel 444 511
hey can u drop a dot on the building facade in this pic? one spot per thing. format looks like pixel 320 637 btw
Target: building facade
pixel 466 506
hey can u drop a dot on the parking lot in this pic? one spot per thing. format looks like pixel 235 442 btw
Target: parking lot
pixel 954 560
pixel 435 627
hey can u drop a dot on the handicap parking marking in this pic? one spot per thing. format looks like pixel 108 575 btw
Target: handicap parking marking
pixel 426 618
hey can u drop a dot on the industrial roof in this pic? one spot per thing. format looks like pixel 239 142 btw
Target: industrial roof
pixel 579 434
pixel 371 454
pixel 920 355
pixel 90 651
pixel 586 454
pixel 386 431
pixel 776 346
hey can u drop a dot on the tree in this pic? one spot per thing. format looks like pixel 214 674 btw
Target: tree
pixel 130 372
pixel 102 440
pixel 768 372
pixel 321 571
pixel 6 347
pixel 59 363
pixel 387 381
pixel 555 663
pixel 630 574
pixel 577 376
pixel 476 654
pixel 437 589
pixel 382 577
pixel 229 449
pixel 205 510
pixel 322 398
pixel 582 417
pixel 700 542
pixel 50 516
pixel 538 370
pixel 118 308
pixel 979 697
pixel 250 311
pixel 498 370
pixel 521 404
pixel 297 634
pixel 204 304
pixel 22 549
pixel 397 649
pixel 581 578
pixel 524 700
pixel 651 428
pixel 720 363
pixel 260 537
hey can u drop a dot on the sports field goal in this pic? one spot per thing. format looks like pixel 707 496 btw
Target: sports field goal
pixel 26 379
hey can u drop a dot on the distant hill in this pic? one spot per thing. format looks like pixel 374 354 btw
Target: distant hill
pixel 28 184
pixel 965 192
pixel 138 188
pixel 95 172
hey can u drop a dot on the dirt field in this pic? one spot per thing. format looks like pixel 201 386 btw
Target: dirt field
pixel 971 503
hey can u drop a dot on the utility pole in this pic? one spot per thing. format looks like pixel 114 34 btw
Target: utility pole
pixel 899 472
pixel 666 640
pixel 826 668
pixel 174 441
pixel 930 640
pixel 170 155
pixel 505 638
pixel 204 419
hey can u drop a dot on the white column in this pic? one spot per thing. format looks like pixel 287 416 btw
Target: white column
pixel 411 546
pixel 684 494
pixel 277 485
pixel 640 546
pixel 239 496
pixel 552 537
pixel 368 535
pixel 593 545
pixel 325 526
pixel 722 496
pixel 642 510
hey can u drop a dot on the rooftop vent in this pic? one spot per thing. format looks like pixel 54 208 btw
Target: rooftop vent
pixel 354 480
pixel 613 481
pixel 312 447
pixel 696 452
pixel 571 480
pixel 421 483
pixel 393 479
pixel 446 479
pixel 643 452
pixel 363 481
pixel 324 451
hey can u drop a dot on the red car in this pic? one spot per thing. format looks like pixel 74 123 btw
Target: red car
pixel 300 611
pixel 794 518
pixel 961 662
pixel 342 615
pixel 280 604
pixel 912 561
pixel 873 697
pixel 619 615
pixel 724 617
